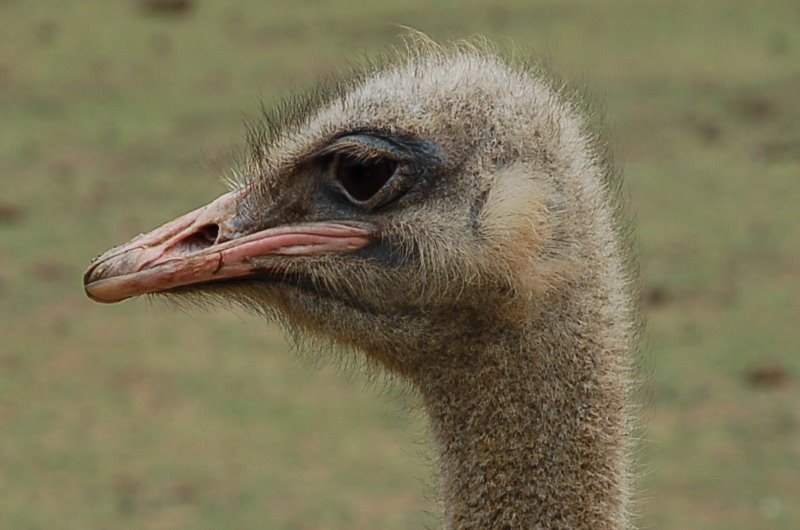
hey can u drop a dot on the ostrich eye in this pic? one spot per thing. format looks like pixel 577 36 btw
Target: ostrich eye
pixel 362 178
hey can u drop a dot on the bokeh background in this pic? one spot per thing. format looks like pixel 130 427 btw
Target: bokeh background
pixel 116 116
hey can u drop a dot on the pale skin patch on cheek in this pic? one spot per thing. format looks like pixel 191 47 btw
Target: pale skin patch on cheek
pixel 518 227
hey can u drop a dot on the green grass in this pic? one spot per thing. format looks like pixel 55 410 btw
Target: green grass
pixel 112 121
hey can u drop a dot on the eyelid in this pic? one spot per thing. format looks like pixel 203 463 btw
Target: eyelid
pixel 364 146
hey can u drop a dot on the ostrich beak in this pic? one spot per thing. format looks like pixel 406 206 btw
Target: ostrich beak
pixel 204 246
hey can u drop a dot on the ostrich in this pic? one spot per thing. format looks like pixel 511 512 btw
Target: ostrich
pixel 450 216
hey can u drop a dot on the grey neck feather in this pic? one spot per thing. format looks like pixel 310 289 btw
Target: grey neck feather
pixel 536 436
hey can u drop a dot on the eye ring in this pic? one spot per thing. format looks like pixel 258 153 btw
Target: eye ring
pixel 365 181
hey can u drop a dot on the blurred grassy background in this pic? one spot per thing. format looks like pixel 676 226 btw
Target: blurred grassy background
pixel 114 118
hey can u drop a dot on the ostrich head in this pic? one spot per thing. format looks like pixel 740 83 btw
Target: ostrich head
pixel 390 215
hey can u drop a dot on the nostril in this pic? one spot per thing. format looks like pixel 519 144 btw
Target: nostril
pixel 204 237
pixel 210 233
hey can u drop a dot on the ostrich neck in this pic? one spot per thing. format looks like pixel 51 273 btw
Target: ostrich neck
pixel 535 436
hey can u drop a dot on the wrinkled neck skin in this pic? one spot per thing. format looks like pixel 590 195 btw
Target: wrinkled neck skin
pixel 535 437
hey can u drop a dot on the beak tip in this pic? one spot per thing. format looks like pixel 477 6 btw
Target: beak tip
pixel 88 292
pixel 101 289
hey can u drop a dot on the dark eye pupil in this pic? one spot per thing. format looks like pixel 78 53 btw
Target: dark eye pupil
pixel 363 178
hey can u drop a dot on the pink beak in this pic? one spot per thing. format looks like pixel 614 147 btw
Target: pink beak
pixel 201 246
